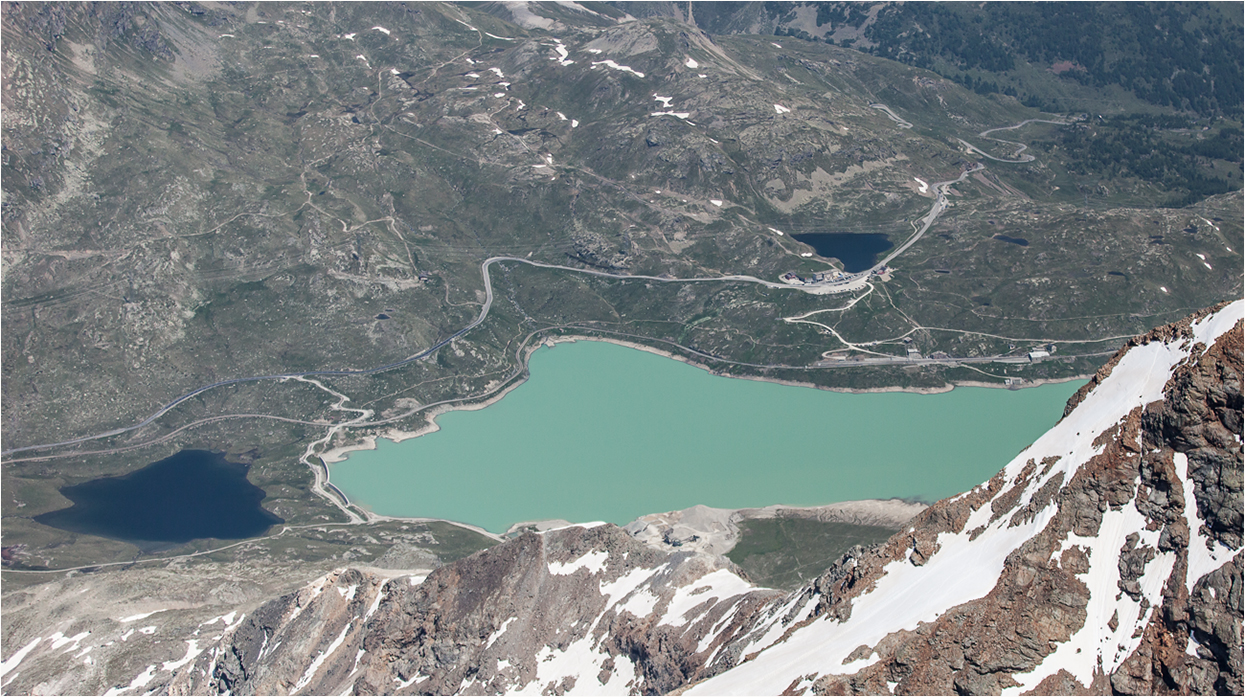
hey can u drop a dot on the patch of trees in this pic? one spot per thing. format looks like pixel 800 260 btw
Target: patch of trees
pixel 1186 56
pixel 1140 147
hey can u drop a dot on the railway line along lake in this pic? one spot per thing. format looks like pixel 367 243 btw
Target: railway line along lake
pixel 606 432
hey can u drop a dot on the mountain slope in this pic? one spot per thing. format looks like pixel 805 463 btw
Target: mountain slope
pixel 1078 564
pixel 1106 557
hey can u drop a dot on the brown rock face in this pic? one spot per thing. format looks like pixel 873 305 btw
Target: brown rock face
pixel 1192 643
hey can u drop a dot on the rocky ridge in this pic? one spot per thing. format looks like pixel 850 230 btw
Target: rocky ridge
pixel 1106 557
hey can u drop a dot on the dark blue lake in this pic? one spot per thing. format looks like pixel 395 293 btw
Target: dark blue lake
pixel 857 251
pixel 195 494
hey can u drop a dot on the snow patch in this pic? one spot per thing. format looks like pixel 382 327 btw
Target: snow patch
pixel 139 681
pixel 315 665
pixel 691 63
pixel 498 72
pixel 781 109
pixel 58 640
pixel 677 114
pixel 500 631
pixel 611 64
pixel 1205 555
pixel 640 604
pixel 716 202
pixel 381 30
pixel 380 595
pixel 594 562
pixel 192 651
pixel 14 660
pixel 1095 645
pixel 563 54
pixel 140 616
pixel 924 186
pixel 712 586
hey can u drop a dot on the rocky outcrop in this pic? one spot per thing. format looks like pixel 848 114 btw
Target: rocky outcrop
pixel 548 611
pixel 1083 566
pixel 1106 558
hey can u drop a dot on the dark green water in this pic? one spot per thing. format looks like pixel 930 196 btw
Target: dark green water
pixel 857 250
pixel 194 494
pixel 606 432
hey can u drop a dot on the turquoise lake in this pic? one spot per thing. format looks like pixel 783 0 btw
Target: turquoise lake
pixel 606 432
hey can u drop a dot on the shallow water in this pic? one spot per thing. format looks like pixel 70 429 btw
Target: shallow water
pixel 607 432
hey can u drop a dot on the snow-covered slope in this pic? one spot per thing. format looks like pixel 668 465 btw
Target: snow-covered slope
pixel 1104 518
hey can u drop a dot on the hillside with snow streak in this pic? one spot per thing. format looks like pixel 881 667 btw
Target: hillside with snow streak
pixel 1106 557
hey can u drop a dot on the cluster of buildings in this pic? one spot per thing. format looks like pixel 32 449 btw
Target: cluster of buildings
pixel 831 277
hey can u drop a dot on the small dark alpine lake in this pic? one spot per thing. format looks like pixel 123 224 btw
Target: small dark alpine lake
pixel 857 251
pixel 195 494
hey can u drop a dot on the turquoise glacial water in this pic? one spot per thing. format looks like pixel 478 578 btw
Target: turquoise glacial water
pixel 606 432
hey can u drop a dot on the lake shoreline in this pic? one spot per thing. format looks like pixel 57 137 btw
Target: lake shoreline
pixel 368 442
pixel 430 413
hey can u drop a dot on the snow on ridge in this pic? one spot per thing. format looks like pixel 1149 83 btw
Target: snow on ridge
pixel 592 561
pixel 965 569
pixel 716 586
pixel 380 595
pixel 585 526
pixel 1095 646
pixel 677 114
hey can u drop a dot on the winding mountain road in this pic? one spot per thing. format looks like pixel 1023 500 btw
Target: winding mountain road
pixel 322 486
